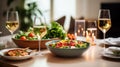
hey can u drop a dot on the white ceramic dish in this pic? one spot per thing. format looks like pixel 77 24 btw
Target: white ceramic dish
pixel 75 52
pixel 2 53
pixel 109 54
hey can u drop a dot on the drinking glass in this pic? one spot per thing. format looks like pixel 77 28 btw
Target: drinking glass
pixel 91 32
pixel 79 28
pixel 12 21
pixel 104 21
pixel 40 29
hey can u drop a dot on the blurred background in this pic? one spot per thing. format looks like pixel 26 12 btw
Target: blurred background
pixel 62 11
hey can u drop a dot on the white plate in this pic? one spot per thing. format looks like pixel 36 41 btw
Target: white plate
pixel 109 54
pixel 2 53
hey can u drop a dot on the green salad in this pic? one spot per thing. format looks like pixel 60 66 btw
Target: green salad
pixel 53 31
pixel 69 44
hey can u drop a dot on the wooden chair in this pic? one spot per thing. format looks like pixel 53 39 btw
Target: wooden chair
pixel 72 26
pixel 61 20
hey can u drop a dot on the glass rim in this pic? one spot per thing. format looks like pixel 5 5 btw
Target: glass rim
pixel 12 12
pixel 104 10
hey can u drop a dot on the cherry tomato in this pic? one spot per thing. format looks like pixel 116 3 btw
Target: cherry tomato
pixel 71 36
pixel 31 34
pixel 72 43
pixel 23 38
pixel 59 45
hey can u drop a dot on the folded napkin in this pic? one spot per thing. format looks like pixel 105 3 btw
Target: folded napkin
pixel 114 48
pixel 10 44
pixel 112 41
pixel 108 41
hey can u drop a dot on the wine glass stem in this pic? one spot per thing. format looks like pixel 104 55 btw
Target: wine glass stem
pixel 39 43
pixel 104 39
pixel 104 35
pixel 39 46
pixel 11 34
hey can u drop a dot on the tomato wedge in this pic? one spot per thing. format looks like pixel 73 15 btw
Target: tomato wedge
pixel 23 38
pixel 31 34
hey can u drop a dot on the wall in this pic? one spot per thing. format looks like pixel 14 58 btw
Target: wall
pixel 89 8
pixel 64 8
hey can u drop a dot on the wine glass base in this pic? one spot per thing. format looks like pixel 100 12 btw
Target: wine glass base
pixel 39 54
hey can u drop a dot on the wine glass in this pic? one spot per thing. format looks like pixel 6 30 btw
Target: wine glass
pixel 12 22
pixel 104 21
pixel 40 30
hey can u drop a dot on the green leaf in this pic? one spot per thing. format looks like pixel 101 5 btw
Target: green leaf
pixel 56 31
pixel 40 12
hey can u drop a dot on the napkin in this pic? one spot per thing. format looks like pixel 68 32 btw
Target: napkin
pixel 10 44
pixel 114 48
pixel 108 41
pixel 113 41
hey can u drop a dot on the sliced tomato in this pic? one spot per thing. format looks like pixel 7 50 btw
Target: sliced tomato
pixel 59 45
pixel 23 38
pixel 31 34
pixel 72 43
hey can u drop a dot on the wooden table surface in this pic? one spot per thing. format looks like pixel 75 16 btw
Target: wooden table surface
pixel 91 58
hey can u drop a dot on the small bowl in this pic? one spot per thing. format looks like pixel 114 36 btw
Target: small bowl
pixel 32 44
pixel 74 52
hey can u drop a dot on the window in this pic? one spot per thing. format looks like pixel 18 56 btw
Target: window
pixel 59 8
pixel 44 6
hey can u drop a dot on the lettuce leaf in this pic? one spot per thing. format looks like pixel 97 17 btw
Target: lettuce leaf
pixel 55 31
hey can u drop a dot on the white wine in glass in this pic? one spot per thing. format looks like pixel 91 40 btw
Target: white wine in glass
pixel 12 22
pixel 104 25
pixel 104 21
pixel 39 29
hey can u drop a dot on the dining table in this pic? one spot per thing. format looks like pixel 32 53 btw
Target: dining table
pixel 90 58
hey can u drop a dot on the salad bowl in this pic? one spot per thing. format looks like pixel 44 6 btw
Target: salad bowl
pixel 30 39
pixel 33 44
pixel 67 51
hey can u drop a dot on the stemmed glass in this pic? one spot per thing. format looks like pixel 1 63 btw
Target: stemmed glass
pixel 104 21
pixel 40 30
pixel 12 22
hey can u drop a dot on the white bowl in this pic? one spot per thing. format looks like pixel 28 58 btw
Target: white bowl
pixel 74 52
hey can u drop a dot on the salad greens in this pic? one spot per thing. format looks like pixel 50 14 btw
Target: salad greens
pixel 69 44
pixel 26 35
pixel 53 31
pixel 116 52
